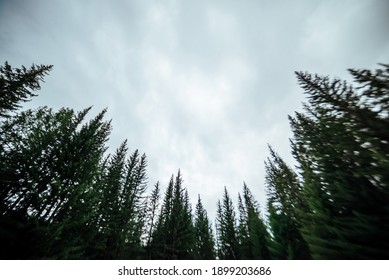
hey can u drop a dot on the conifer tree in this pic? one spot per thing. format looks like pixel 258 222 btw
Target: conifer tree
pixel 50 162
pixel 205 244
pixel 285 201
pixel 341 144
pixel 161 236
pixel 243 232
pixel 151 217
pixel 226 228
pixel 121 207
pixel 17 85
pixel 173 237
pixel 252 234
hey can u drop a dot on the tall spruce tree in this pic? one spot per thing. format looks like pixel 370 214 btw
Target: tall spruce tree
pixel 253 235
pixel 285 201
pixel 205 244
pixel 17 85
pixel 173 237
pixel 341 144
pixel 226 229
pixel 151 218
pixel 243 232
pixel 121 207
pixel 161 235
pixel 50 161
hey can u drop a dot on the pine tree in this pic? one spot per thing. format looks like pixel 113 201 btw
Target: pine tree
pixel 133 206
pixel 50 162
pixel 341 146
pixel 205 244
pixel 173 237
pixel 162 233
pixel 17 84
pixel 243 231
pixel 151 218
pixel 120 214
pixel 253 235
pixel 226 228
pixel 285 201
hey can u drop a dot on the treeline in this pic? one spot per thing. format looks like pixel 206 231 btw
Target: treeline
pixel 64 197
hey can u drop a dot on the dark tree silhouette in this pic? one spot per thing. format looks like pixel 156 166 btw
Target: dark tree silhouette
pixel 17 85
pixel 205 244
pixel 226 228
pixel 341 144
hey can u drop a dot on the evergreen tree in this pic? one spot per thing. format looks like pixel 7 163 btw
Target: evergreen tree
pixel 133 206
pixel 243 232
pixel 120 214
pixel 50 162
pixel 285 201
pixel 205 244
pixel 151 218
pixel 54 180
pixel 162 233
pixel 226 228
pixel 341 144
pixel 173 237
pixel 17 84
pixel 253 235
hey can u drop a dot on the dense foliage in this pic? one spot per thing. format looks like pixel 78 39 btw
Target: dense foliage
pixel 64 197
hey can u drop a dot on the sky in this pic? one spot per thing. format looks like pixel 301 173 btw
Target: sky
pixel 200 86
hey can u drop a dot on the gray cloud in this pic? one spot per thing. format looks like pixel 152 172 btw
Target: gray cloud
pixel 197 85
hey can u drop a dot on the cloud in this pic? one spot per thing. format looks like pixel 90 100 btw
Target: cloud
pixel 197 85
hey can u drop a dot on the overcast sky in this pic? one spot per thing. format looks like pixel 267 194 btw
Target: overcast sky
pixel 202 86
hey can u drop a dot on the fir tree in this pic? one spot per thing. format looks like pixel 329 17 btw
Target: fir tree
pixel 50 163
pixel 151 217
pixel 161 235
pixel 121 207
pixel 205 244
pixel 226 228
pixel 173 237
pixel 17 85
pixel 253 234
pixel 341 146
pixel 285 201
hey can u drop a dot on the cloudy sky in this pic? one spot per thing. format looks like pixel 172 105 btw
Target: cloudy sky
pixel 202 86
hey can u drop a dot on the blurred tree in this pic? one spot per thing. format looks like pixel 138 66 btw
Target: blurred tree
pixel 341 144
pixel 49 164
pixel 252 234
pixel 285 201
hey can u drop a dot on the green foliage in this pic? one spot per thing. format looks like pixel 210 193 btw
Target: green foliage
pixel 60 198
pixel 174 237
pixel 341 144
pixel 151 218
pixel 120 213
pixel 205 244
pixel 227 236
pixel 49 162
pixel 17 84
pixel 253 236
pixel 285 202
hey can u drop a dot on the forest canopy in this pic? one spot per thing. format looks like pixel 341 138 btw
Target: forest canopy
pixel 63 196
